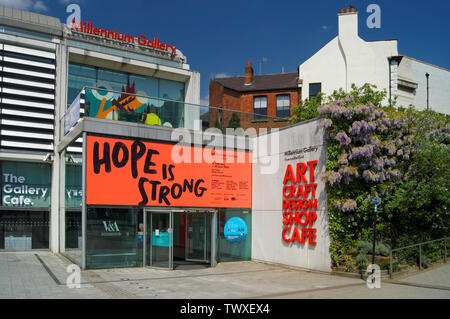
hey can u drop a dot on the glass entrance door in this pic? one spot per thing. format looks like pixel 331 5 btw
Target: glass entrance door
pixel 159 239
pixel 198 236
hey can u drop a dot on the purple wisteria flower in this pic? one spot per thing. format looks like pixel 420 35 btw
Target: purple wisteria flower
pixel 394 174
pixel 342 138
pixel 348 173
pixel 326 123
pixel 378 164
pixel 390 148
pixel 369 176
pixel 365 151
pixel 362 110
pixel 349 205
pixel 388 162
pixel 343 159
pixel 332 177
pixel 337 204
pixel 360 129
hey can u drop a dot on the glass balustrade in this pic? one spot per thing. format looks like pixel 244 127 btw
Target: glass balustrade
pixel 136 108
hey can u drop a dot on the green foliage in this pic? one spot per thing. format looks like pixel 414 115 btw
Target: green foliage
pixel 307 109
pixel 425 261
pixel 361 261
pixel 235 122
pixel 217 124
pixel 398 154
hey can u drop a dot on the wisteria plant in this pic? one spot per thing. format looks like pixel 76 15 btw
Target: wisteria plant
pixel 369 149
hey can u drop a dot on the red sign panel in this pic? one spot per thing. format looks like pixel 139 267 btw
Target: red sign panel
pixel 140 173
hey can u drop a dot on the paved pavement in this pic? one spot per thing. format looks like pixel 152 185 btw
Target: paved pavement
pixel 43 275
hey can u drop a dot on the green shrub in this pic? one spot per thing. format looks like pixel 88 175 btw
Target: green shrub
pixel 361 261
pixel 382 249
pixel 425 261
pixel 365 247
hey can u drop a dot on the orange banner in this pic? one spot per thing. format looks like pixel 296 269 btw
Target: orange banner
pixel 140 173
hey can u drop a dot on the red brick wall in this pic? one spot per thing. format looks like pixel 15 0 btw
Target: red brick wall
pixel 230 100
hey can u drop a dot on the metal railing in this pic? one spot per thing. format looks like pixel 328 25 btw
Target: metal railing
pixel 419 245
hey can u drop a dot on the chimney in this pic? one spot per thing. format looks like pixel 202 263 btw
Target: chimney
pixel 348 23
pixel 248 73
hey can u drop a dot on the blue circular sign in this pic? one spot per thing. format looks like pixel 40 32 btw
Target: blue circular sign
pixel 375 200
pixel 235 230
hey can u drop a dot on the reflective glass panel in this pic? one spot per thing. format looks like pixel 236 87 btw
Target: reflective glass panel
pixel 112 237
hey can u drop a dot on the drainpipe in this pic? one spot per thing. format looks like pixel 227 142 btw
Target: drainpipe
pixel 428 104
pixel 398 59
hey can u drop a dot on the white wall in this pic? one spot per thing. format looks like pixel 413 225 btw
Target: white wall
pixel 348 59
pixel 267 218
pixel 192 95
pixel 439 85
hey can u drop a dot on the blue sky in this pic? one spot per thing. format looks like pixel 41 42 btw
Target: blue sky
pixel 219 37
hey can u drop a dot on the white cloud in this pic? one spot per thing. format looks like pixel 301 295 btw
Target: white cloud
pixel 65 2
pixel 204 100
pixel 40 6
pixel 25 5
pixel 222 75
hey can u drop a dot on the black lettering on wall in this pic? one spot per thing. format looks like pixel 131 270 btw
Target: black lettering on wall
pixel 136 155
pixel 149 163
pixel 163 192
pixel 197 188
pixel 171 167
pixel 100 161
pixel 188 185
pixel 144 200
pixel 115 155
pixel 176 193
pixel 154 187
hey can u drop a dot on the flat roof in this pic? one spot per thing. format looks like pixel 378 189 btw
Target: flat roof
pixel 30 21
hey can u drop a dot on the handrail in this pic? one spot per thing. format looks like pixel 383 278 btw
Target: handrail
pixel 420 251
pixel 424 243
pixel 175 101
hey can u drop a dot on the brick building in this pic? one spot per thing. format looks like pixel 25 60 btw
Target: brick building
pixel 264 100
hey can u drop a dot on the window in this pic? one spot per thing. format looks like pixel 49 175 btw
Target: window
pixel 111 237
pixel 283 105
pixel 314 89
pixel 260 107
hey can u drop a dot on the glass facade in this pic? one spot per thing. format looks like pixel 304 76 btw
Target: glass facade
pixel 234 240
pixel 101 104
pixel 72 202
pixel 112 237
pixel 24 214
pixel 24 230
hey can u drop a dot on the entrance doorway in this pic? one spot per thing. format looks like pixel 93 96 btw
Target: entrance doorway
pixel 179 239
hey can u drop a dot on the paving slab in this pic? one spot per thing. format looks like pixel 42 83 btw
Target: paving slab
pixel 43 275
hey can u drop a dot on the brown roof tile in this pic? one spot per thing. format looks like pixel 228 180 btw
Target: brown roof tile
pixel 261 82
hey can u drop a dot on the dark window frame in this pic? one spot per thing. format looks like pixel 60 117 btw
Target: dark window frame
pixel 259 112
pixel 283 111
pixel 314 90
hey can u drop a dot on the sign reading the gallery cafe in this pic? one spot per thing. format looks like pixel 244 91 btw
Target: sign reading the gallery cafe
pixel 25 184
pixel 299 204
pixel 155 43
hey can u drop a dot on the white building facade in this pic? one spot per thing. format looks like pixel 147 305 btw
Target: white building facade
pixel 348 59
